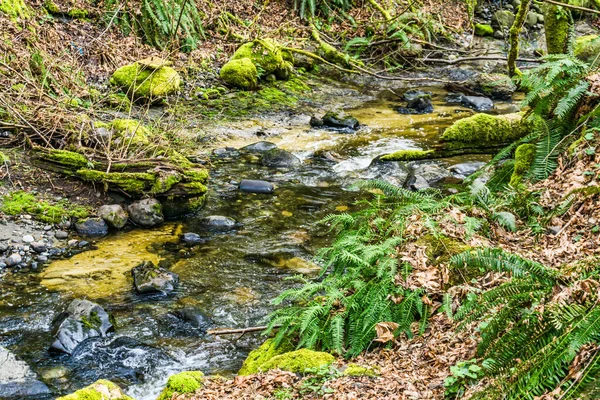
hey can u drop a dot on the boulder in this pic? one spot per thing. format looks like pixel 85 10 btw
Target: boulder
pixel 339 122
pixel 417 183
pixel 495 86
pixel 146 212
pixel 587 48
pixel 91 227
pixel 240 73
pixel 477 103
pixel 298 361
pixel 393 172
pixel 83 319
pixel 418 102
pixel 149 278
pixel 503 19
pixel 430 172
pixel 268 56
pixel 532 19
pixel 13 260
pixel 255 186
pixel 218 223
pixel 100 390
pixel 113 215
pixel 261 355
pixel 17 380
pixel 463 170
pixel 147 79
pixel 278 158
pixel 259 147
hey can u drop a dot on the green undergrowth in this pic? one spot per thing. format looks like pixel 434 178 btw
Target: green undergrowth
pixel 17 203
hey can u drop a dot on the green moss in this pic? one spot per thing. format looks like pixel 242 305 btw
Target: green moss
pixel 557 26
pixel 164 183
pixel 17 203
pixel 182 383
pixel 192 188
pixel 483 30
pixel 296 85
pixel 98 391
pixel 407 155
pixel 360 370
pixel 15 8
pixel 264 353
pixel 276 96
pixel 51 7
pixel 439 249
pixel 4 159
pixel 119 101
pixel 132 183
pixel 141 82
pixel 67 158
pixel 481 130
pixel 298 361
pixel 93 322
pixel 196 174
pixel 587 48
pixel 131 129
pixel 77 13
pixel 268 57
pixel 524 156
pixel 240 73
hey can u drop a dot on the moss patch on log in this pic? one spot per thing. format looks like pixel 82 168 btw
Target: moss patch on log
pixel 524 156
pixel 481 130
pixel 407 155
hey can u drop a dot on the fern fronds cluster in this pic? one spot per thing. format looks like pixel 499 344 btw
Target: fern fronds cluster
pixel 540 330
pixel 358 287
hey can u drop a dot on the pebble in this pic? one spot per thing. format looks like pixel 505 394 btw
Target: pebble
pixel 42 259
pixel 47 228
pixel 72 242
pixel 61 235
pixel 28 238
pixel 83 243
pixel 13 259
pixel 192 239
pixel 27 216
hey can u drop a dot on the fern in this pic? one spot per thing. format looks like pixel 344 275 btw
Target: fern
pixel 529 339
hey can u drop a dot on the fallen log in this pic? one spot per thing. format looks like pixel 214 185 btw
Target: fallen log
pixel 228 331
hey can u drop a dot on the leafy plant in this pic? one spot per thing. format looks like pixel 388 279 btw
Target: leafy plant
pixel 357 289
pixel 316 380
pixel 540 330
pixel 463 373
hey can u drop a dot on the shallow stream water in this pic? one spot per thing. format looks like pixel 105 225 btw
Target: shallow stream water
pixel 231 279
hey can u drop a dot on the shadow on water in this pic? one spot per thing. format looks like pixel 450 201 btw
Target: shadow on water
pixel 228 281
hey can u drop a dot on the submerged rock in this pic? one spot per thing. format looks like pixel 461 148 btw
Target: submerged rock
pixel 255 186
pixel 278 158
pixel 192 239
pixel 82 320
pixel 393 172
pixel 101 390
pixel 114 215
pixel 17 380
pixel 149 278
pixel 196 318
pixel 92 227
pixel 146 212
pixel 124 359
pixel 218 223
pixel 478 103
pixel 259 147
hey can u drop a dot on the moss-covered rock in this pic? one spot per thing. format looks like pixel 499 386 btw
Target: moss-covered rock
pixel 150 81
pixel 495 86
pixel 298 361
pixel 353 369
pixel 557 25
pixel 483 30
pixel 240 73
pixel 129 132
pixel 268 56
pixel 524 156
pixel 100 390
pixel 482 130
pixel 407 155
pixel 587 48
pixel 182 383
pixel 264 353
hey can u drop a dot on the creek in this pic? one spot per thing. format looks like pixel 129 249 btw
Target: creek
pixel 231 279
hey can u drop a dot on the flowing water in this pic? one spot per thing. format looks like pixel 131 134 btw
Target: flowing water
pixel 231 279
